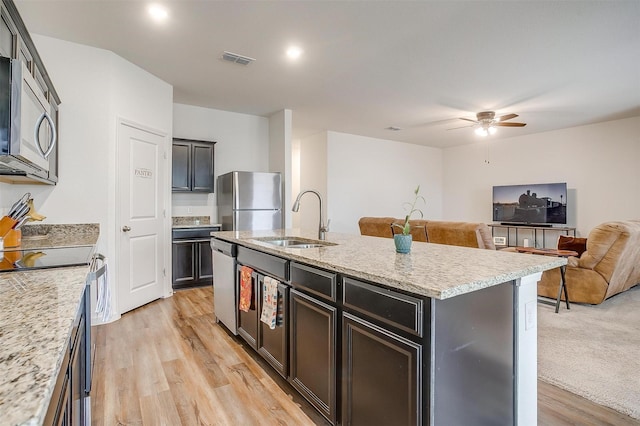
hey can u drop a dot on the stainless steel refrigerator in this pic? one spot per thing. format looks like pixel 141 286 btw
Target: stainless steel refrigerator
pixel 250 201
pixel 246 201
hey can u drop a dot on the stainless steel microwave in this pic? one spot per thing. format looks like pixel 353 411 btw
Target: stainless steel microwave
pixel 28 133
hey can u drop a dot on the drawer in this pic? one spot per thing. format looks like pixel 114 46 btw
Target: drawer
pixel 313 280
pixel 396 309
pixel 266 263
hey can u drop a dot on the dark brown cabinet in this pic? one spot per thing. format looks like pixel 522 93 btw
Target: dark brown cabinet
pixel 313 351
pixel 358 352
pixel 381 375
pixel 8 34
pixel 248 321
pixel 192 166
pixel 68 400
pixel 192 262
pixel 313 335
pixel 272 344
pixel 382 327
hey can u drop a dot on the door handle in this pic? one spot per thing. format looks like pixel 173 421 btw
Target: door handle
pixel 126 228
pixel 36 135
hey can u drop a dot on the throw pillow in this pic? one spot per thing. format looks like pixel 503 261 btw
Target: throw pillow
pixel 578 245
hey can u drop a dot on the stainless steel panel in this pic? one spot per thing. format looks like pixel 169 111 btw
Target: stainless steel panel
pixel 257 191
pixel 224 288
pixel 249 191
pixel 225 201
pixel 245 220
pixel 30 106
pixel 474 358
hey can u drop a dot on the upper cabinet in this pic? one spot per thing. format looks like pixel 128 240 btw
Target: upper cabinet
pixel 192 166
pixel 33 126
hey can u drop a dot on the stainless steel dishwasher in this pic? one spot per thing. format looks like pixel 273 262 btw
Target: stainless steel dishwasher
pixel 225 292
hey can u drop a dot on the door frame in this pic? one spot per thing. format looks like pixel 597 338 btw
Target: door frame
pixel 167 290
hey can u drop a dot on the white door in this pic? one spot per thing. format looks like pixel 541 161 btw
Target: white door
pixel 141 254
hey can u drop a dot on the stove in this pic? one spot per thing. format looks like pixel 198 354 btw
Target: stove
pixel 24 260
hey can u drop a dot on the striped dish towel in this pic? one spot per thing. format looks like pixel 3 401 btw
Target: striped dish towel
pixel 269 302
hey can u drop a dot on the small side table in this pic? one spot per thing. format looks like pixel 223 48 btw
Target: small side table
pixel 557 253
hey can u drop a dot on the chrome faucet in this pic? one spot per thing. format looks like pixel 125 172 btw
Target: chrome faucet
pixel 322 228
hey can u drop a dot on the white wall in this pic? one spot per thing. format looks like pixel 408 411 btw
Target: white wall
pixel 599 162
pixel 242 144
pixel 374 177
pixel 280 156
pixel 313 174
pixel 80 75
pixel 295 179
pixel 96 88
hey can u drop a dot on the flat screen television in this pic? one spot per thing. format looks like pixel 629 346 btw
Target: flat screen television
pixel 543 204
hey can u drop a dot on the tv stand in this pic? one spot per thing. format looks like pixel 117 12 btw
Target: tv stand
pixel 533 230
pixel 530 225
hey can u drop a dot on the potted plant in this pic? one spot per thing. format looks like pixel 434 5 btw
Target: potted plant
pixel 403 240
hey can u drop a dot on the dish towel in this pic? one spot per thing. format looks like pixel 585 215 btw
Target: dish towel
pixel 245 288
pixel 269 302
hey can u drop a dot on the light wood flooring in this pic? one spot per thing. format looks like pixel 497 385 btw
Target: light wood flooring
pixel 168 363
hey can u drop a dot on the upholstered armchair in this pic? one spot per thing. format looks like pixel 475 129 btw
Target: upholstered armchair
pixel 610 265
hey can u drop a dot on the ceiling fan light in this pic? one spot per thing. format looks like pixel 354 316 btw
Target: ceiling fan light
pixel 480 131
pixel 492 130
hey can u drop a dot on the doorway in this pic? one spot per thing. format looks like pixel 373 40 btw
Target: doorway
pixel 140 215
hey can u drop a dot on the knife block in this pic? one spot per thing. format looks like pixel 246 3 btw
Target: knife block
pixel 13 238
pixel 6 225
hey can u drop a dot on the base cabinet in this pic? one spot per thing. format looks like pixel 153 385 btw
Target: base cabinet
pixel 313 332
pixel 273 343
pixel 365 354
pixel 372 395
pixel 248 321
pixel 192 262
pixel 68 400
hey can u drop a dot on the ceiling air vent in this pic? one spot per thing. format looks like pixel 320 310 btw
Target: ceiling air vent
pixel 238 59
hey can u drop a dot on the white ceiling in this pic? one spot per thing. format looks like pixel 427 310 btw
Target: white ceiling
pixel 368 65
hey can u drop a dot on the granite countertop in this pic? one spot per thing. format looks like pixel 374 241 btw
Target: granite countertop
pixel 432 270
pixel 37 311
pixel 47 236
pixel 178 222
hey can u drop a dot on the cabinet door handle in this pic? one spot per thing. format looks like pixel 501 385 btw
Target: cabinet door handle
pixel 126 228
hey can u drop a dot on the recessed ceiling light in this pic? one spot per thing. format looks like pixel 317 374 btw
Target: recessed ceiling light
pixel 158 13
pixel 294 52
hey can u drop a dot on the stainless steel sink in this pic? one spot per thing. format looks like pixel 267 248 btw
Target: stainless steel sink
pixel 294 242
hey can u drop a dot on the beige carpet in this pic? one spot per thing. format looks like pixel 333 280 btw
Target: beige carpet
pixel 594 351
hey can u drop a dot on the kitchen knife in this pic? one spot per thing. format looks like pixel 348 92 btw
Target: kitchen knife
pixel 18 204
pixel 21 213
pixel 21 222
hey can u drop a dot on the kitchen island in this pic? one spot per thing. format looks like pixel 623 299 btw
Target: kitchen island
pixel 442 335
pixel 40 312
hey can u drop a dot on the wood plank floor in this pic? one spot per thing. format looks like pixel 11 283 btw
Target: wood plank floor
pixel 168 363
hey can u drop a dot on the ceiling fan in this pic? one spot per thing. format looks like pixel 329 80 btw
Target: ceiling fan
pixel 487 122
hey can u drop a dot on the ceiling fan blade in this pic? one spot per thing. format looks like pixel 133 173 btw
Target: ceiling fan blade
pixel 463 127
pixel 506 117
pixel 468 119
pixel 510 124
